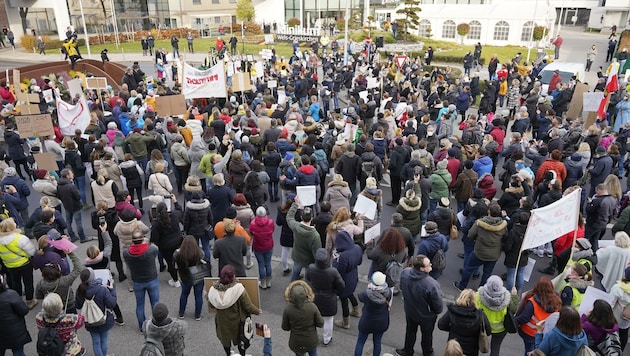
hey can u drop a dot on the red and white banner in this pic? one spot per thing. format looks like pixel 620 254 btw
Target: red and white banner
pixel 72 117
pixel 204 83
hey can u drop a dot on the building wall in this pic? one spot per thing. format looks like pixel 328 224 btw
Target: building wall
pixel 188 11
pixel 4 20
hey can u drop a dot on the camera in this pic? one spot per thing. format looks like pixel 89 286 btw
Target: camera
pixel 167 197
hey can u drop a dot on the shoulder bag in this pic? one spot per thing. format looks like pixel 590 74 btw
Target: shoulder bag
pixel 484 342
pixel 200 271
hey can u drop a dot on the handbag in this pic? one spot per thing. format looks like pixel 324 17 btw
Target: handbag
pixel 454 233
pixel 509 323
pixel 200 271
pixel 245 331
pixel 484 342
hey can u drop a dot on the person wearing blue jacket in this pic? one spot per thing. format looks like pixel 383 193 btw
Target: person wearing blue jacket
pixel 431 244
pixel 566 338
pixel 482 163
pixel 21 192
pixel 313 109
pixel 103 294
pixel 349 258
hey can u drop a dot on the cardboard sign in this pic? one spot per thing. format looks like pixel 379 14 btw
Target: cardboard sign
pixel 35 126
pixel 250 284
pixel 46 160
pixel 591 101
pixel 74 87
pixel 170 105
pixel 29 109
pixel 241 82
pixel 96 83
pixel 27 98
pixel 16 80
pixel 575 107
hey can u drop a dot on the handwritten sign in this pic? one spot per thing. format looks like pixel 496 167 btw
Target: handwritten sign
pixel 170 105
pixel 372 233
pixel 591 101
pixel 74 87
pixel 46 160
pixel 241 82
pixel 365 206
pixel 590 296
pixel 307 195
pixel 552 221
pixel 34 125
pixel 96 83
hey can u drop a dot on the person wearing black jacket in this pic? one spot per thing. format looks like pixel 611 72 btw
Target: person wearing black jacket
pixel 349 167
pixel 71 200
pixel 197 219
pixel 399 157
pixel 167 235
pixel 512 246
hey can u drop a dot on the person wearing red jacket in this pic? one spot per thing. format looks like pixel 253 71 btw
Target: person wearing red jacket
pixel 553 82
pixel 560 245
pixel 261 230
pixel 552 164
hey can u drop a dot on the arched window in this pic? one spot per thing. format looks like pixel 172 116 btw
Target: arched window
pixel 528 29
pixel 501 31
pixel 449 29
pixel 423 26
pixel 475 30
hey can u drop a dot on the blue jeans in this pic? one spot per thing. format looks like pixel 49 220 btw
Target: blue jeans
pixel 273 190
pixel 80 183
pixel 509 283
pixel 312 352
pixel 376 338
pixel 469 246
pixel 76 216
pixel 296 271
pixel 16 352
pixel 424 214
pixel 473 263
pixel 183 297
pixel 99 343
pixel 432 205
pixel 264 263
pixel 528 341
pixel 139 288
pixel 205 245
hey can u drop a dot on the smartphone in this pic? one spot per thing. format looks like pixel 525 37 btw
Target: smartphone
pixel 259 329
pixel 101 220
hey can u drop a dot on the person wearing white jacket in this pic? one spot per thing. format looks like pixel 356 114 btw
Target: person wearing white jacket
pixel 53 147
pixel 621 293
pixel 159 182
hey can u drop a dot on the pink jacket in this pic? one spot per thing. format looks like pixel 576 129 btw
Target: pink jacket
pixel 111 136
pixel 261 230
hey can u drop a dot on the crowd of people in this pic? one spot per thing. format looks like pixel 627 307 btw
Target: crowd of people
pixel 223 178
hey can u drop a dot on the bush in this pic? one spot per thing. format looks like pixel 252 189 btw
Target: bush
pixel 463 29
pixel 251 28
pixel 359 36
pixel 293 22
pixel 442 58
pixel 28 42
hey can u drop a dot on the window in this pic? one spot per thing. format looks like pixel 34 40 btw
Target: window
pixel 501 31
pixel 528 29
pixel 449 29
pixel 196 2
pixel 423 27
pixel 216 1
pixel 475 30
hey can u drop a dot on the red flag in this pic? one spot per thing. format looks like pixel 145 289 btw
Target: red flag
pixel 612 84
pixel 601 111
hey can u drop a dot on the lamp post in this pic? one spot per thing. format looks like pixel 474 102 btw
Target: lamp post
pixel 531 36
pixel 345 43
pixel 114 23
pixel 87 38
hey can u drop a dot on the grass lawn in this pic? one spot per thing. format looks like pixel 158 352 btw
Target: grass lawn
pixel 284 49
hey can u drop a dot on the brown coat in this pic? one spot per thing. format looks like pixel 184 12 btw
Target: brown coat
pixel 465 184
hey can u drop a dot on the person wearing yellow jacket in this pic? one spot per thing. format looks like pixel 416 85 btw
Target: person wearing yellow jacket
pixel 578 279
pixel 71 50
pixel 16 251
pixel 496 301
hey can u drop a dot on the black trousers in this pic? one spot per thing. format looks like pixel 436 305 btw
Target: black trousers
pixel 396 188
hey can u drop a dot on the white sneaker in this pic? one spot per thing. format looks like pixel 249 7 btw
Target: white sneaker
pixel 172 283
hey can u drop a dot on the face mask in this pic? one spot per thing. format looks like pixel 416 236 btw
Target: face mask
pixel 429 133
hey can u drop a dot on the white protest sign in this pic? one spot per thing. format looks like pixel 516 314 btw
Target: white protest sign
pixel 552 221
pixel 282 97
pixel 74 87
pixel 204 83
pixel 307 195
pixel 372 233
pixel 461 218
pixel 372 82
pixel 104 274
pixel 365 206
pixel 363 95
pixel 529 268
pixel 349 131
pixel 272 84
pixel 591 101
pixel 590 296
pixel 48 95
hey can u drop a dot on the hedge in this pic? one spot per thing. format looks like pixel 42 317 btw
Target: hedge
pixel 445 58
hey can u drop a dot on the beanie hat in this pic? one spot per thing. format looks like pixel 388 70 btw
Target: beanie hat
pixel 585 244
pixel 494 286
pixel 378 279
pixel 230 213
pixel 288 156
pixel 599 150
pixel 576 157
pixel 261 211
pixel 445 202
pixel 397 218
pixel 160 312
pixel 442 164
pixel 452 152
pixel 40 173
pixel 431 228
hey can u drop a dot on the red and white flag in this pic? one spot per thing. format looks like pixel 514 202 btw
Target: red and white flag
pixel 612 83
pixel 72 117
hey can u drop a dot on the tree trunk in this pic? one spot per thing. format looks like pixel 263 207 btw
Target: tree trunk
pixel 23 13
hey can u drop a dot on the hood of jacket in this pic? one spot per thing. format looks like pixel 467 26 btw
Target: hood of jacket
pixel 368 156
pixel 127 227
pixel 494 301
pixel 261 221
pixel 486 181
pixel 160 332
pixel 339 183
pixel 410 204
pixel 223 298
pixel 349 154
pixel 298 294
pixel 567 341
pixel 379 296
pixel 580 284
pixel 197 205
pixel 127 164
pixel 322 258
pixel 514 190
pixel 492 224
pixel 307 169
pixel 464 313
pixel 344 241
pixel 64 181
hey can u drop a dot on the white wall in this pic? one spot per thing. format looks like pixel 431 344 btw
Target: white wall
pixel 269 11
pixel 59 8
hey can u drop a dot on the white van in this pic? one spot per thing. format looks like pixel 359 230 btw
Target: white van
pixel 567 70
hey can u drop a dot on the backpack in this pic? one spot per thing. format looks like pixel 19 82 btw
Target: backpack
pixel 4 211
pixel 438 262
pixel 610 345
pixel 93 314
pixel 585 351
pixel 367 167
pixel 151 347
pixel 394 270
pixel 426 161
pixel 247 158
pixel 49 343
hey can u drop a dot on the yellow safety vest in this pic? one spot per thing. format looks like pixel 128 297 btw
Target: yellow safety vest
pixel 577 297
pixel 495 317
pixel 12 255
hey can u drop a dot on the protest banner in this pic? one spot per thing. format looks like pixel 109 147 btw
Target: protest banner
pixel 204 83
pixel 34 125
pixel 74 87
pixel 72 117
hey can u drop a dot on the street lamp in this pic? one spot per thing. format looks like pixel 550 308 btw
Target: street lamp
pixel 114 23
pixel 87 38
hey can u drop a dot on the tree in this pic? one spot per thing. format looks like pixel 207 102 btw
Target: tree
pixel 23 13
pixel 245 10
pixel 411 19
pixel 539 33
pixel 463 29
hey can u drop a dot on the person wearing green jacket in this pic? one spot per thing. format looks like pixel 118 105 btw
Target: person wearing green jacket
pixel 205 165
pixel 137 142
pixel 440 180
pixel 306 241
pixel 301 317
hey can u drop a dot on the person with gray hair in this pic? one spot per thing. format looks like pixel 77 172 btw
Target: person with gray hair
pixel 53 315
